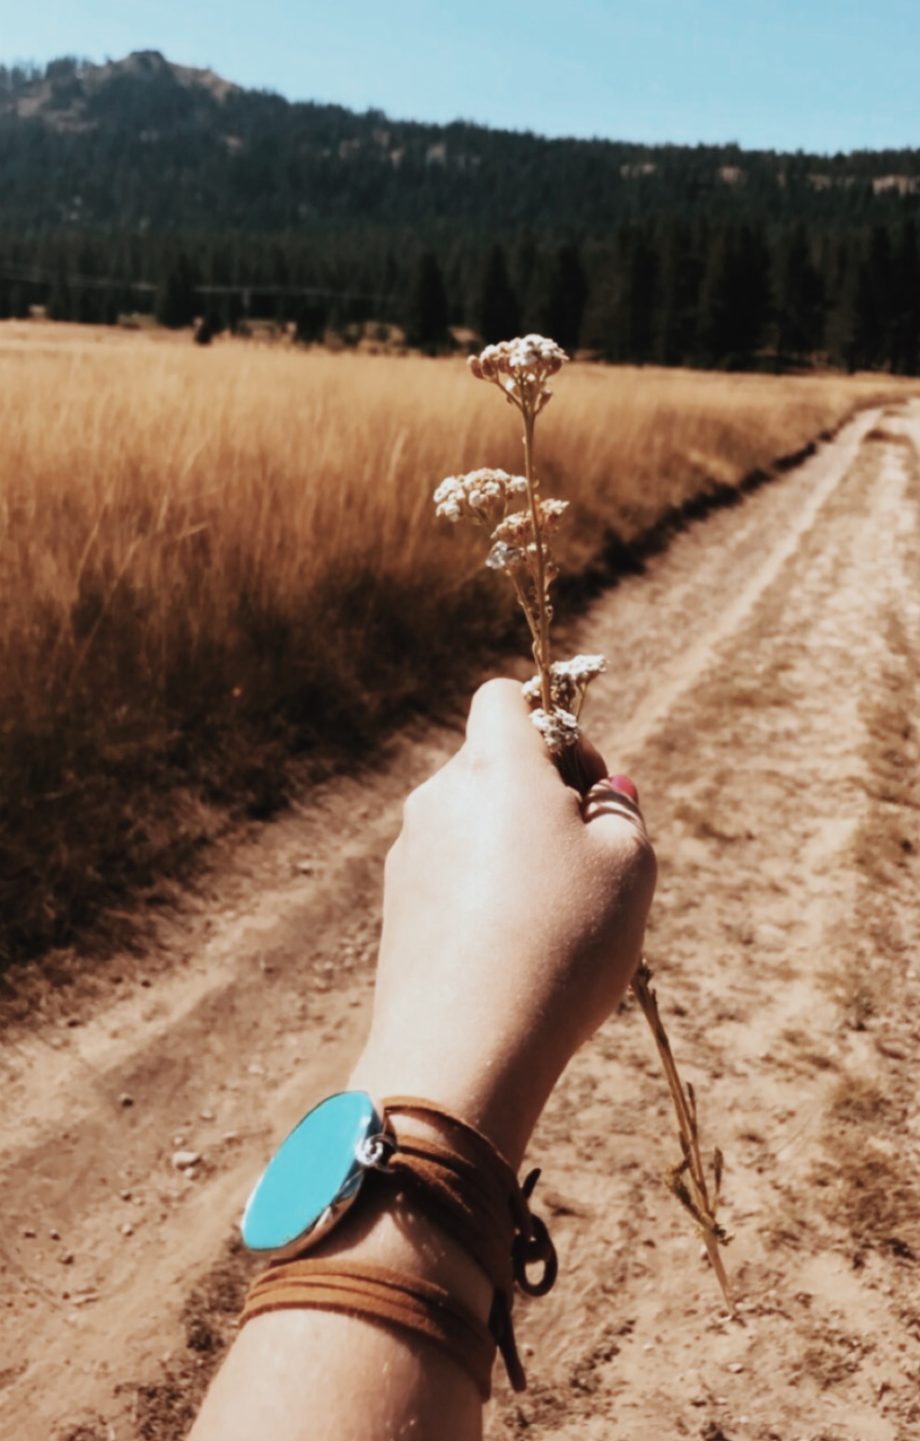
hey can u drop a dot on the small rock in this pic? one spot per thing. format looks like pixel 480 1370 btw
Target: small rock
pixel 230 1137
pixel 125 1100
pixel 67 1258
pixel 181 1160
pixel 125 1195
pixel 255 1069
pixel 306 868
pixel 179 1139
pixel 54 1233
pixel 29 1232
pixel 735 1367
pixel 207 1114
pixel 127 1229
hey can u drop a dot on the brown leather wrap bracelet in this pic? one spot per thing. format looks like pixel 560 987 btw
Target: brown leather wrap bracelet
pixel 468 1189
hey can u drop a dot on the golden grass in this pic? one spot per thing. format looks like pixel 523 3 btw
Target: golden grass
pixel 212 558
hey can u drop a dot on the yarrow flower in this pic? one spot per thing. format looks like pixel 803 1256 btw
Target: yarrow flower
pixel 559 728
pixel 521 368
pixel 569 680
pixel 517 528
pixel 480 495
pixel 510 558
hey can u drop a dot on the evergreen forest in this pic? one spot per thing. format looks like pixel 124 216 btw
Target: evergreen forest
pixel 141 186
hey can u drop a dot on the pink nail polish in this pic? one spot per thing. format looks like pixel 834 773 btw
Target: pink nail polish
pixel 625 786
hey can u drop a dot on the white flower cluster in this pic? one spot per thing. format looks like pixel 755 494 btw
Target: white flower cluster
pixel 525 357
pixel 559 728
pixel 521 368
pixel 517 528
pixel 569 679
pixel 480 495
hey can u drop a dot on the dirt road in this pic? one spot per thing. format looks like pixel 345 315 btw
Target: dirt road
pixel 763 690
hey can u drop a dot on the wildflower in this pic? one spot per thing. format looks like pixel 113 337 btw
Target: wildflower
pixel 582 669
pixel 521 368
pixel 569 680
pixel 559 728
pixel 517 528
pixel 510 558
pixel 480 495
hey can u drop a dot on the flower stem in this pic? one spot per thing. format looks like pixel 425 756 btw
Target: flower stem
pixel 541 649
pixel 685 1110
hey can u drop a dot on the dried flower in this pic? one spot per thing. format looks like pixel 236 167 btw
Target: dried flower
pixel 510 558
pixel 569 681
pixel 517 528
pixel 521 368
pixel 481 495
pixel 559 728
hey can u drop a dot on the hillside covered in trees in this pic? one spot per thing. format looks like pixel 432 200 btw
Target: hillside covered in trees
pixel 144 185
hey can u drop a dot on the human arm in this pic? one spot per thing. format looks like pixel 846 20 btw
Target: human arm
pixel 513 920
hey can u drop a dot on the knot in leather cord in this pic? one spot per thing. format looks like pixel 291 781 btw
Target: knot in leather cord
pixel 476 1197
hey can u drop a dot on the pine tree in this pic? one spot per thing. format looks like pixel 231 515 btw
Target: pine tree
pixel 497 313
pixel 525 265
pixel 879 317
pixel 905 337
pixel 799 299
pixel 563 305
pixel 311 316
pixel 637 290
pixel 673 334
pixel 426 321
pixel 842 313
pixel 58 305
pixel 19 303
pixel 176 303
pixel 734 297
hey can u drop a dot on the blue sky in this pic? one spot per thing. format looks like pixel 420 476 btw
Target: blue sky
pixel 812 74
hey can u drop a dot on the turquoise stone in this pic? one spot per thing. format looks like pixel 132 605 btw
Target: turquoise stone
pixel 314 1168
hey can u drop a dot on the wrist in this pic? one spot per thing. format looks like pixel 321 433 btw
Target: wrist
pixel 487 1096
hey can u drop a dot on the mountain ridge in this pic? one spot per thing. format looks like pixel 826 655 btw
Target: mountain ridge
pixel 61 94
pixel 142 184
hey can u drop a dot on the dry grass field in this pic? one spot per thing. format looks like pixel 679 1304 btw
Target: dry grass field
pixel 214 560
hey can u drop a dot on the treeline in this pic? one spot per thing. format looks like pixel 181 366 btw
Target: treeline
pixel 138 186
pixel 699 293
pixel 142 146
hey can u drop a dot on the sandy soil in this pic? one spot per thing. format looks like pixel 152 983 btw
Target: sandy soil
pixel 763 691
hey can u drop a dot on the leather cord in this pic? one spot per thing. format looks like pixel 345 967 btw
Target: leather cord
pixel 376 1293
pixel 464 1184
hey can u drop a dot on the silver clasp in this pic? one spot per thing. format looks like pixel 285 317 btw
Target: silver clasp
pixel 374 1152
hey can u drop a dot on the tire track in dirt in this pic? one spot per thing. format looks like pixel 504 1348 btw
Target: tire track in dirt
pixel 715 655
pixel 774 916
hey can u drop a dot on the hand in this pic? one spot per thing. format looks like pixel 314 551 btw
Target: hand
pixel 513 918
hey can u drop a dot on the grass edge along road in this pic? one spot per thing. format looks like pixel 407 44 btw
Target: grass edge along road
pixel 216 563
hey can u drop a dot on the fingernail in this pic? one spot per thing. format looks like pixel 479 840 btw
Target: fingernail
pixel 625 786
